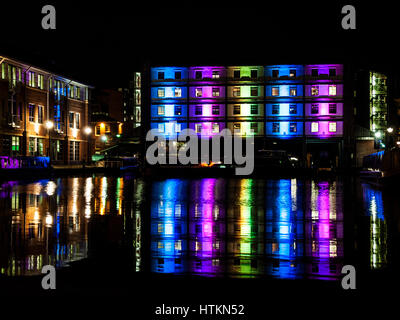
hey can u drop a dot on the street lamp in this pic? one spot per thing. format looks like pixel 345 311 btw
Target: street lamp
pixel 49 126
pixel 390 129
pixel 87 131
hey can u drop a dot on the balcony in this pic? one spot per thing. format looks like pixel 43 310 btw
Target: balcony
pixel 14 121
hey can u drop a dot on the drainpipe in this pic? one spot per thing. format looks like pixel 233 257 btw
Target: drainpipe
pixel 24 140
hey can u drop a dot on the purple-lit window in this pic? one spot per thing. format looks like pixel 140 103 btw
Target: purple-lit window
pixel 199 75
pixel 275 91
pixel 275 127
pixel 332 108
pixel 178 75
pixel 293 109
pixel 275 73
pixel 236 91
pixel 199 92
pixel 332 72
pixel 254 91
pixel 293 91
pixel 314 109
pixel 314 72
pixel 161 76
pixel 254 74
pixel 314 91
pixel 236 74
pixel 198 110
pixel 332 90
pixel 215 110
pixel 236 109
pixel 293 127
pixel 275 109
pixel 254 109
pixel 215 92
pixel 215 75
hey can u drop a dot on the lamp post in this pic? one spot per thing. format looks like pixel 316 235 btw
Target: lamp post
pixel 49 126
pixel 88 131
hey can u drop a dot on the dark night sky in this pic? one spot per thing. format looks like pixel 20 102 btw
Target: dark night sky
pixel 100 43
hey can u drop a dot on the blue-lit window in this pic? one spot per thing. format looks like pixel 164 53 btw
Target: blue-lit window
pixel 293 109
pixel 254 91
pixel 332 108
pixel 161 127
pixel 236 109
pixel 161 76
pixel 293 91
pixel 254 109
pixel 275 127
pixel 178 110
pixel 275 109
pixel 178 127
pixel 198 110
pixel 275 91
pixel 314 109
pixel 215 110
pixel 293 127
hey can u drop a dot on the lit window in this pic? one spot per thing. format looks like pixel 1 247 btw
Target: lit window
pixel 15 143
pixel 236 109
pixel 215 127
pixel 178 92
pixel 293 109
pixel 254 109
pixel 161 110
pixel 332 90
pixel 161 92
pixel 199 92
pixel 292 73
pixel 198 110
pixel 314 109
pixel 215 75
pixel 215 110
pixel 314 91
pixel 254 91
pixel 161 127
pixel 293 91
pixel 215 92
pixel 332 108
pixel 293 127
pixel 275 109
pixel 97 131
pixel 178 127
pixel 275 127
pixel 236 127
pixel 314 127
pixel 332 126
pixel 197 127
pixel 236 91
pixel 178 110
pixel 275 91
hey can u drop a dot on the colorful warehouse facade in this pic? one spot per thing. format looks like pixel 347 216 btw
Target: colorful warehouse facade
pixel 273 103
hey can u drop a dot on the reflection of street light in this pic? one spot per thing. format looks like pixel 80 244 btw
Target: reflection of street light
pixel 378 134
pixel 88 131
pixel 49 126
pixel 104 138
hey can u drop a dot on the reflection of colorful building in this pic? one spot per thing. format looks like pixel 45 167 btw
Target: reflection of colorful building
pixel 323 231
pixel 284 225
pixel 168 226
pixel 378 227
pixel 207 227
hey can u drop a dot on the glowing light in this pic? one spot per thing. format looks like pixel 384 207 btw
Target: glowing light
pixel 378 134
pixel 88 130
pixel 49 124
pixel 390 130
pixel 104 138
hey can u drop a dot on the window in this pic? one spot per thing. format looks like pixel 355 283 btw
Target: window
pixel 292 73
pixel 314 72
pixel 275 109
pixel 254 91
pixel 314 127
pixel 107 129
pixel 161 127
pixel 332 126
pixel 199 75
pixel 275 91
pixel 254 127
pixel 31 108
pixel 74 147
pixel 161 110
pixel 40 114
pixel 236 109
pixel 332 72
pixel 161 92
pixel 40 81
pixel 236 91
pixel 215 92
pixel 215 127
pixel 293 91
pixel 161 76
pixel 15 143
pixel 293 127
pixel 77 92
pixel 236 74
pixel 71 119
pixel 215 75
pixel 178 92
pixel 199 92
pixel 31 78
pixel 314 91
pixel 236 127
pixel 215 110
pixel 77 120
pixel 254 109
pixel 254 74
pixel 332 90
pixel 314 109
pixel 275 127
pixel 178 127
pixel 198 110
pixel 275 73
pixel 293 109
pixel 332 108
pixel 178 110
pixel 97 131
pixel 178 75
pixel 197 127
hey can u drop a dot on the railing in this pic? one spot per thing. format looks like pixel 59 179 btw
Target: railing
pixel 22 162
pixel 14 121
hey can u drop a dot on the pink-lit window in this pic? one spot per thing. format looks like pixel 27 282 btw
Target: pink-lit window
pixel 332 126
pixel 332 90
pixel 199 92
pixel 314 91
pixel 314 127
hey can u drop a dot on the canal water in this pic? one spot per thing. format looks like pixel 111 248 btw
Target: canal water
pixel 212 227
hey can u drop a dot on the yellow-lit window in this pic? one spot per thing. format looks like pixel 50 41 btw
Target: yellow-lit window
pixel 199 92
pixel 161 110
pixel 314 127
pixel 332 90
pixel 161 92
pixel 215 127
pixel 332 126
pixel 178 92
pixel 314 91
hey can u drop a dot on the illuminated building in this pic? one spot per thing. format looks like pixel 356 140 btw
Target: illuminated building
pixel 44 113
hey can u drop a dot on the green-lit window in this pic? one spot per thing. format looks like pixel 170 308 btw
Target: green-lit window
pixel 15 143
